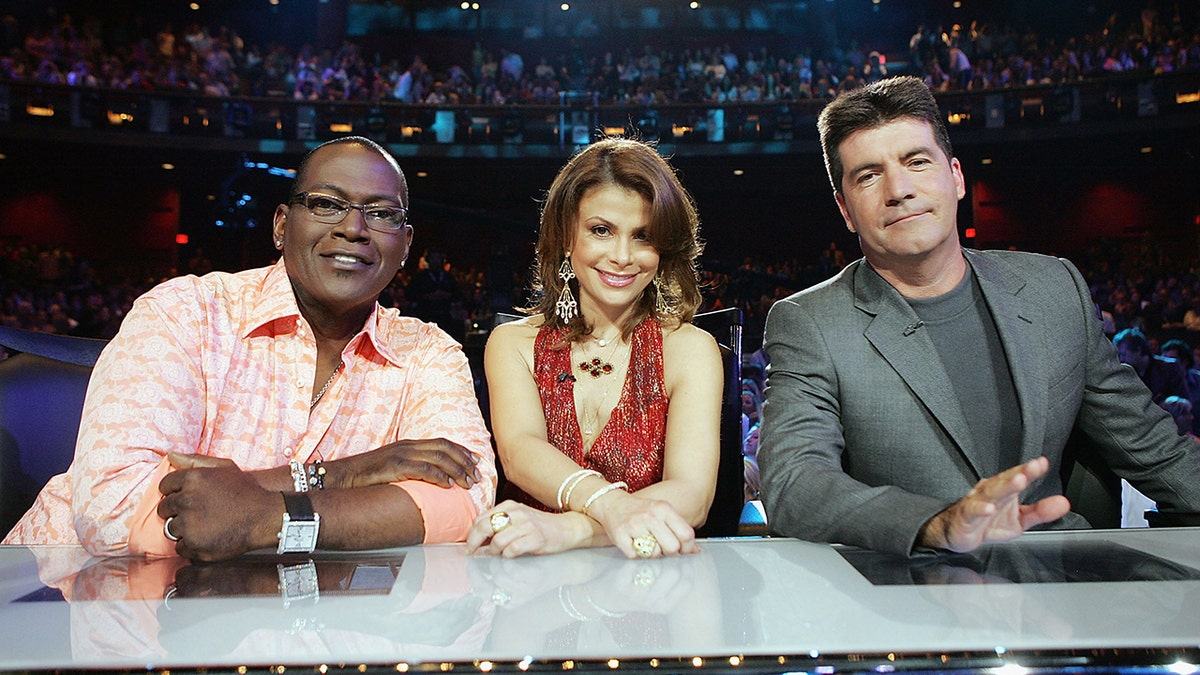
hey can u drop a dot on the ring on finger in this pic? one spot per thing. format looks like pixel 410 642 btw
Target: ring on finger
pixel 167 529
pixel 645 545
pixel 499 520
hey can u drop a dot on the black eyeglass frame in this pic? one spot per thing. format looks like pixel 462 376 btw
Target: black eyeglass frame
pixel 346 205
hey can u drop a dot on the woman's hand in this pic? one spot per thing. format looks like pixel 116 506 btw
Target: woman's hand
pixel 643 528
pixel 434 460
pixel 512 529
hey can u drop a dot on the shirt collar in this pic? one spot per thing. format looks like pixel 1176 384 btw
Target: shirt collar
pixel 275 311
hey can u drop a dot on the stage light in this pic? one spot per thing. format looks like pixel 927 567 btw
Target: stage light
pixel 181 239
pixel 694 5
pixel 565 6
pixel 39 109
pixel 167 166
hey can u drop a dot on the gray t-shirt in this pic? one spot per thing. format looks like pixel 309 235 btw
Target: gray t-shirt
pixel 964 334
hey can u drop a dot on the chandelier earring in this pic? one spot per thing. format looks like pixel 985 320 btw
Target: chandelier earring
pixel 566 308
pixel 662 303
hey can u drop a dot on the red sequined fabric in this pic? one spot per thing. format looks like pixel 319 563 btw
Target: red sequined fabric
pixel 630 447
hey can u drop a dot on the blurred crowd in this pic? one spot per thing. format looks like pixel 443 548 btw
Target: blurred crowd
pixel 219 62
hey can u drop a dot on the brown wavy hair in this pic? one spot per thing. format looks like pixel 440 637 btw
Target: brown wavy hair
pixel 673 230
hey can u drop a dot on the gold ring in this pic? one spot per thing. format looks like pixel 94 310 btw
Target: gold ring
pixel 499 520
pixel 167 529
pixel 645 545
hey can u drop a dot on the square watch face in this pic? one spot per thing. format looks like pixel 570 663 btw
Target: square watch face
pixel 299 536
pixel 298 582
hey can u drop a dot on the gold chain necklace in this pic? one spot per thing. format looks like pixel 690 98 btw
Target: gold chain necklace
pixel 328 382
pixel 597 366
pixel 589 424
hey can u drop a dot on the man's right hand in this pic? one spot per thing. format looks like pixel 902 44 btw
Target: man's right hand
pixel 992 511
pixel 435 460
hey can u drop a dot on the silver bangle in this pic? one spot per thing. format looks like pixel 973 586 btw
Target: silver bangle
pixel 299 476
pixel 619 485
pixel 568 486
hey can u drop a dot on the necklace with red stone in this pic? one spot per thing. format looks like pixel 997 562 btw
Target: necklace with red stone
pixel 589 416
pixel 596 366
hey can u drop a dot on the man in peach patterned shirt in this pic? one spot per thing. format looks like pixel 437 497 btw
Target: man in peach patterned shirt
pixel 231 408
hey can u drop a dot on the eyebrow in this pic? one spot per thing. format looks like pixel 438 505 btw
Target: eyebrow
pixel 921 150
pixel 336 191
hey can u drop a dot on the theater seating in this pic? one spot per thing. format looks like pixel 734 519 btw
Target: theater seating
pixel 41 399
pixel 725 513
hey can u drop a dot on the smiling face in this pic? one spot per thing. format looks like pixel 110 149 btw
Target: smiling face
pixel 339 270
pixel 900 193
pixel 612 258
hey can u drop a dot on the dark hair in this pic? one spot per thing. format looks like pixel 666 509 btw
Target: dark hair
pixel 361 141
pixel 1185 351
pixel 1135 338
pixel 873 106
pixel 1176 405
pixel 673 229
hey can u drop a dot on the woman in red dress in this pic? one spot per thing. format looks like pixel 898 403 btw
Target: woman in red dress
pixel 605 401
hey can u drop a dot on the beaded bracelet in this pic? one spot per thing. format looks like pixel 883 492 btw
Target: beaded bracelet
pixel 568 485
pixel 299 481
pixel 316 474
pixel 619 485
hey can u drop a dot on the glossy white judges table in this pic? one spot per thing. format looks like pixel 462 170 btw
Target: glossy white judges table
pixel 753 604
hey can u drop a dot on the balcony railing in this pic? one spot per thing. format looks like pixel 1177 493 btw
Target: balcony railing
pixel 168 118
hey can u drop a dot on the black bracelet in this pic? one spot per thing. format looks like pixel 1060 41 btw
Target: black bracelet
pixel 316 475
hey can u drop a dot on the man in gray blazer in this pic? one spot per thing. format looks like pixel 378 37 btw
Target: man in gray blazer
pixel 922 398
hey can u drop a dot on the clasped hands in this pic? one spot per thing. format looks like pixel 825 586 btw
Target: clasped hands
pixel 992 511
pixel 624 518
pixel 219 511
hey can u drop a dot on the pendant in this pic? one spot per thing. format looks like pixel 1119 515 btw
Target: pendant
pixel 596 367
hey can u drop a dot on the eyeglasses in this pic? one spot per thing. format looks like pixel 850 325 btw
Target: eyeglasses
pixel 333 210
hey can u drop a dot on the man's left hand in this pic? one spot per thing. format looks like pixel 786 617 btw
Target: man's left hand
pixel 992 511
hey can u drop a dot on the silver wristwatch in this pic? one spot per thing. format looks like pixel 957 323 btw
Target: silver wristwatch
pixel 300 524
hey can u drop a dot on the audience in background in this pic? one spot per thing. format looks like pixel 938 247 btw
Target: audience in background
pixel 1164 377
pixel 1181 351
pixel 221 63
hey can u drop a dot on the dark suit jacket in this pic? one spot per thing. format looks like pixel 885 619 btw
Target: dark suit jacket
pixel 863 439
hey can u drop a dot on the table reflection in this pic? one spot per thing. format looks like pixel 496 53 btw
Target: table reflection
pixel 749 598
pixel 421 602
pixel 1027 561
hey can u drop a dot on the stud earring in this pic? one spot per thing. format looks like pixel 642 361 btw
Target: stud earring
pixel 566 308
pixel 278 243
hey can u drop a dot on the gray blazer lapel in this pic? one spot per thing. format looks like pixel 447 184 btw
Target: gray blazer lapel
pixel 1023 346
pixel 895 333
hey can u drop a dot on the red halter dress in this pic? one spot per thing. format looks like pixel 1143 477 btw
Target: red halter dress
pixel 630 447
